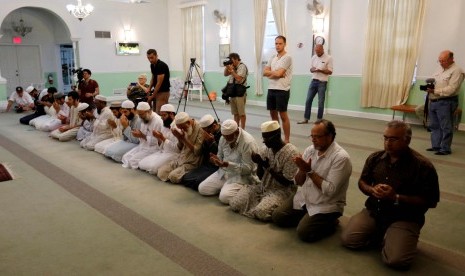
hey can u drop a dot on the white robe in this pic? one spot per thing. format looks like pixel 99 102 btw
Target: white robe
pixel 101 129
pixel 168 151
pixel 146 146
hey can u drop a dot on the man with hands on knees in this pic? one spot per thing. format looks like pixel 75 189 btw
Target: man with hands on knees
pixel 401 186
pixel 323 176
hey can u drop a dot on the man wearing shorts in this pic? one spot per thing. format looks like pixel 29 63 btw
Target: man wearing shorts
pixel 279 72
pixel 237 72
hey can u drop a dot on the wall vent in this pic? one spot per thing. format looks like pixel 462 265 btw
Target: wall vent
pixel 102 34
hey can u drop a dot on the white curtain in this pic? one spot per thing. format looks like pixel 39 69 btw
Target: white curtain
pixel 192 36
pixel 393 36
pixel 260 10
pixel 279 13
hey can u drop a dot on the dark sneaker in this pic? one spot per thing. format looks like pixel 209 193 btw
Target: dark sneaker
pixel 443 153
pixel 302 122
pixel 433 149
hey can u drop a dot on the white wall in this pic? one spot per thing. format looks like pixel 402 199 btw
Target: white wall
pixel 158 25
pixel 148 22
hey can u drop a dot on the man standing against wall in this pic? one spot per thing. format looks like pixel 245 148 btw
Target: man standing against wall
pixel 322 68
pixel 160 82
pixel 444 100
pixel 279 72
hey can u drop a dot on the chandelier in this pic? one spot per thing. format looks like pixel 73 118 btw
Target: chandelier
pixel 21 29
pixel 80 11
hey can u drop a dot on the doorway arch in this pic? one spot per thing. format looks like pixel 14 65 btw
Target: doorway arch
pixel 41 45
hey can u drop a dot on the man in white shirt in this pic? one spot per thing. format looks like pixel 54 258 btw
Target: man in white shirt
pixel 70 129
pixel 23 101
pixel 234 160
pixel 129 121
pixel 279 72
pixel 323 179
pixel 101 129
pixel 167 142
pixel 322 68
pixel 148 143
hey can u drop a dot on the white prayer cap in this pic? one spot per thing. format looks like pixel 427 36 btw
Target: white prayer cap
pixel 30 88
pixel 181 118
pixel 128 104
pixel 143 106
pixel 82 106
pixel 228 127
pixel 206 120
pixel 270 126
pixel 43 93
pixel 167 108
pixel 115 104
pixel 101 98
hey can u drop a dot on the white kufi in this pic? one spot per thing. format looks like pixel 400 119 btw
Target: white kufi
pixel 228 127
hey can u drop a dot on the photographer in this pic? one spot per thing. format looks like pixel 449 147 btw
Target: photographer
pixel 138 91
pixel 237 72
pixel 443 98
pixel 87 87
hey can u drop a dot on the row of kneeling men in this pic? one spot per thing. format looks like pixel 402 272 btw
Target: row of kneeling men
pixel 273 182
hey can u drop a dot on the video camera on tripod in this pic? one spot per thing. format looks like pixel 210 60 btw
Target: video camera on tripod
pixel 79 73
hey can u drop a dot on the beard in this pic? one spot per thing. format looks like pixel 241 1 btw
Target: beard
pixel 130 116
pixel 167 122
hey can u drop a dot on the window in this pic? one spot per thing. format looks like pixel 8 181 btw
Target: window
pixel 271 33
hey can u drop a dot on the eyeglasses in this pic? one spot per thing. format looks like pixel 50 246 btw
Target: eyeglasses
pixel 318 136
pixel 391 139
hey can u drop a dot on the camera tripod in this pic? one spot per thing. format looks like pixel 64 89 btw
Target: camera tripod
pixel 187 84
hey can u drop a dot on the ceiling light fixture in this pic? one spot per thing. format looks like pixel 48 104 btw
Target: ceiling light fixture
pixel 80 11
pixel 21 29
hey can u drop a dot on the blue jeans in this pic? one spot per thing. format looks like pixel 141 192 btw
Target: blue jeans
pixel 316 86
pixel 441 123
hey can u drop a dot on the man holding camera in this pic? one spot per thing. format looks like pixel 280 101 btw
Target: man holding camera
pixel 443 97
pixel 237 72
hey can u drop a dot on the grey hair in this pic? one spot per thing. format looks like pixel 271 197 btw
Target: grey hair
pixel 401 124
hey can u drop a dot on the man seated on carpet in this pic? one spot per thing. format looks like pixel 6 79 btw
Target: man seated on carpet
pixel 23 101
pixel 234 160
pixel 148 144
pixel 56 115
pixel 167 142
pixel 115 126
pixel 129 121
pixel 69 130
pixel 323 179
pixel 88 118
pixel 190 139
pixel 39 109
pixel 211 138
pixel 101 129
pixel 276 170
pixel 401 186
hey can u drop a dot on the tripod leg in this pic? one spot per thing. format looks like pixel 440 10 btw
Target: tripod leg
pixel 204 88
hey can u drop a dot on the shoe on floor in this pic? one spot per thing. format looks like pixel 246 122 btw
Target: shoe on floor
pixel 443 153
pixel 433 149
pixel 302 122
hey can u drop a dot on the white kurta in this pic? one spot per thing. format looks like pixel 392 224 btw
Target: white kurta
pixel 168 151
pixel 146 146
pixel 101 129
